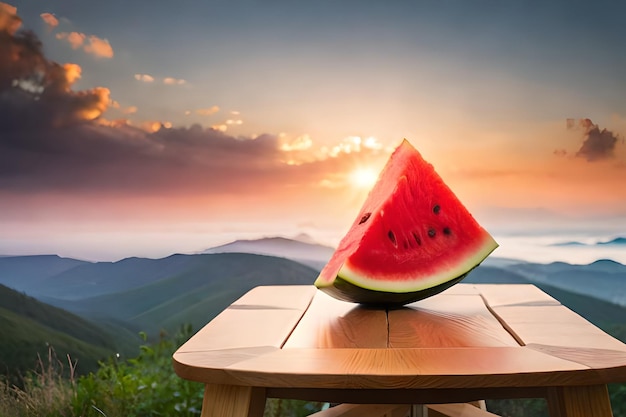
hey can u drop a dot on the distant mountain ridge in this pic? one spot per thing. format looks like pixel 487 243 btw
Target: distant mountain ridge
pixel 302 250
pixel 25 273
pixel 77 280
pixel 618 241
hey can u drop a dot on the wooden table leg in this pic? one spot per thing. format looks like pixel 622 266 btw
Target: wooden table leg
pixel 233 401
pixel 582 401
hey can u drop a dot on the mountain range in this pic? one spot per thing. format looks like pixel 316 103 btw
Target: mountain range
pixel 618 241
pixel 101 306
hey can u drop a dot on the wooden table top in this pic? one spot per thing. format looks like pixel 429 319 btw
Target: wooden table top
pixel 470 336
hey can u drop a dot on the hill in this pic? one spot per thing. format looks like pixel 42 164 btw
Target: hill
pixel 25 273
pixel 29 327
pixel 603 279
pixel 194 294
pixel 304 251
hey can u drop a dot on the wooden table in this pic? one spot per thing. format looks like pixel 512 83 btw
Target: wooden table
pixel 468 343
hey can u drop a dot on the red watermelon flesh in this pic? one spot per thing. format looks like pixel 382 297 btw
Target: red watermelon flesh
pixel 412 238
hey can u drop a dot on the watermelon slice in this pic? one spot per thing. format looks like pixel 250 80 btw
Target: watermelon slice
pixel 412 239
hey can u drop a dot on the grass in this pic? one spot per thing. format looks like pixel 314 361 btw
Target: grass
pixel 47 391
pixel 144 386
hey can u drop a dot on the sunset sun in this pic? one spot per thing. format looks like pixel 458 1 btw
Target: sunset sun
pixel 363 177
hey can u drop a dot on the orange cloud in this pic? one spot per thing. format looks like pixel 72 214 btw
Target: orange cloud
pixel 9 20
pixel 173 81
pixel 130 110
pixel 208 111
pixel 220 127
pixel 75 39
pixel 50 20
pixel 100 48
pixel 144 77
pixel 99 100
pixel 72 73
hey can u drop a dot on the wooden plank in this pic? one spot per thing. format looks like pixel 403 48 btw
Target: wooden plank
pixel 591 357
pixel 209 366
pixel 364 410
pixel 277 296
pixel 579 401
pixel 457 410
pixel 555 326
pixel 241 328
pixel 232 401
pixel 460 289
pixel 408 368
pixel 265 316
pixel 331 323
pixel 514 294
pixel 446 321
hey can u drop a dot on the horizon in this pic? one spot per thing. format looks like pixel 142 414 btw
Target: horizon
pixel 577 249
pixel 127 130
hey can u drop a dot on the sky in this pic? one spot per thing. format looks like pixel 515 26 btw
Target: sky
pixel 147 128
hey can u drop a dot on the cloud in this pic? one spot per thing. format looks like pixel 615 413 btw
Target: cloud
pixel 50 20
pixel 10 22
pixel 75 39
pixel 91 44
pixel 98 47
pixel 144 77
pixel 53 141
pixel 599 144
pixel 208 111
pixel 173 81
pixel 167 80
pixel 36 93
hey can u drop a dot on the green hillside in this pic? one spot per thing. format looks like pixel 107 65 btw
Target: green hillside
pixel 207 285
pixel 30 327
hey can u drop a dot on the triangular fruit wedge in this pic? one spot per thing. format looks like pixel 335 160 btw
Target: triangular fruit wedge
pixel 412 239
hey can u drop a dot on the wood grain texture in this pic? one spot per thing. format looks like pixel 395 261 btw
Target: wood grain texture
pixel 591 357
pixel 330 323
pixel 365 410
pixel 446 321
pixel 457 410
pixel 405 368
pixel 579 401
pixel 231 401
pixel 555 326
pixel 265 316
pixel 295 297
pixel 515 294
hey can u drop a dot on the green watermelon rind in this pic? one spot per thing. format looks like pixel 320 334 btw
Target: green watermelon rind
pixel 346 291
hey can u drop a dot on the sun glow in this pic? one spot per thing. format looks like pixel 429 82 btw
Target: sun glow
pixel 363 177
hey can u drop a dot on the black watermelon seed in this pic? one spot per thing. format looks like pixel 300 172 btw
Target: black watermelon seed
pixel 436 209
pixel 417 239
pixel 392 238
pixel 447 231
pixel 431 232
pixel 365 217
